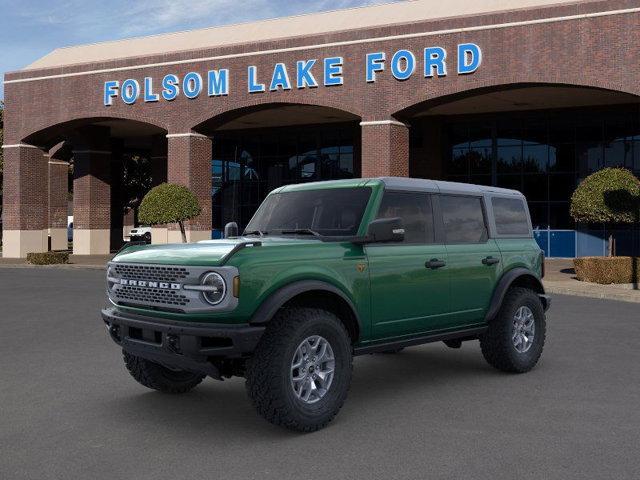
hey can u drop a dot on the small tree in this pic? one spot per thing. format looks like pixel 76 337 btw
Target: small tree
pixel 169 203
pixel 611 195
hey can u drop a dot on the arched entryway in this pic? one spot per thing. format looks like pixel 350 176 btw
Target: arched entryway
pixel 259 148
pixel 537 138
pixel 92 170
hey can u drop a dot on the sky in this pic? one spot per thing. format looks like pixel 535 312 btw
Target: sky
pixel 29 29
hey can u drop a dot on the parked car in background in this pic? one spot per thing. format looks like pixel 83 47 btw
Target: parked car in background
pixel 70 228
pixel 140 234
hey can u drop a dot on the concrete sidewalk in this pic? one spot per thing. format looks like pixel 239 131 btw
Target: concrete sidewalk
pixel 75 261
pixel 560 278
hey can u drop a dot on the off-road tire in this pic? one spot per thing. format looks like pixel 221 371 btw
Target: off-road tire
pixel 496 343
pixel 155 376
pixel 268 379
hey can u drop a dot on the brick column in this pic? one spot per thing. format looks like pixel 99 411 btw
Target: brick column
pixel 189 164
pixel 159 233
pixel 25 210
pixel 92 192
pixel 58 191
pixel 385 149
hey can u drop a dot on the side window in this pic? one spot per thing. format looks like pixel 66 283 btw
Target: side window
pixel 415 211
pixel 511 216
pixel 463 219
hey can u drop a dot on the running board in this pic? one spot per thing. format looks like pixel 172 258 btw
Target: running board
pixel 467 334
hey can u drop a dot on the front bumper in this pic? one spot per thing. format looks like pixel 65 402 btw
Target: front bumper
pixel 187 346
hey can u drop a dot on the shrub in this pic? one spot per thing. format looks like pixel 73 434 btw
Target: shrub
pixel 169 203
pixel 48 258
pixel 607 270
pixel 611 195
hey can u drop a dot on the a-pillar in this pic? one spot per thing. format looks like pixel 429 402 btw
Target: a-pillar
pixel 189 164
pixel 25 211
pixel 385 148
pixel 58 192
pixel 159 233
pixel 92 192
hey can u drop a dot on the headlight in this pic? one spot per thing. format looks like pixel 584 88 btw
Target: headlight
pixel 215 288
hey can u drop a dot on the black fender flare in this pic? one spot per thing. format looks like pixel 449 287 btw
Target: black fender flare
pixel 505 283
pixel 277 299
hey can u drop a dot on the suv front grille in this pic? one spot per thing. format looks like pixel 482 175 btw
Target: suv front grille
pixel 145 296
pixel 151 273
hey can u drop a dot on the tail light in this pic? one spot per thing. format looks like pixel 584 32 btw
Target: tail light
pixel 541 264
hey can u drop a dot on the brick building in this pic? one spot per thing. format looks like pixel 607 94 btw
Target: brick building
pixel 527 94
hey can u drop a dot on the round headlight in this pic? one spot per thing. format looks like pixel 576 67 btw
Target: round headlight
pixel 215 288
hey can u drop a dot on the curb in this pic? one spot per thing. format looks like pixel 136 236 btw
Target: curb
pixel 67 266
pixel 622 297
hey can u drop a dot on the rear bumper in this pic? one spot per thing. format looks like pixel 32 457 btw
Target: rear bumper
pixel 187 346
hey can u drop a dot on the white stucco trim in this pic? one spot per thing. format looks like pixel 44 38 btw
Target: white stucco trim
pixel 190 134
pixel 20 145
pixel 383 122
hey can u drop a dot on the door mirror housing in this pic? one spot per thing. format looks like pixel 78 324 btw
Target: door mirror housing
pixel 385 230
pixel 231 230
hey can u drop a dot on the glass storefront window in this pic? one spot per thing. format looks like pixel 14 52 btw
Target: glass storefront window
pixel 248 164
pixel 544 154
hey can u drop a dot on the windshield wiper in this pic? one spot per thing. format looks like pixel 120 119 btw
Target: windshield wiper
pixel 300 231
pixel 254 232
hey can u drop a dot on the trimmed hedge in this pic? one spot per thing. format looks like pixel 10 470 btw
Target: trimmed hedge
pixel 611 195
pixel 48 258
pixel 168 203
pixel 607 270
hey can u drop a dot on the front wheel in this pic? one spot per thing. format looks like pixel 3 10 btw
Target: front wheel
pixel 515 337
pixel 300 372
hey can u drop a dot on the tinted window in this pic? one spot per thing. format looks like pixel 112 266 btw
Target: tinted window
pixel 511 216
pixel 415 211
pixel 330 211
pixel 463 219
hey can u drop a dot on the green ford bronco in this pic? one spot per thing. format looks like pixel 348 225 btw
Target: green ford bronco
pixel 325 271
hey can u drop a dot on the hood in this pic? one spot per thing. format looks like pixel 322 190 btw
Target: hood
pixel 207 252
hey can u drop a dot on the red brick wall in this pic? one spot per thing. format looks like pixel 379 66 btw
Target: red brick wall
pixel 58 188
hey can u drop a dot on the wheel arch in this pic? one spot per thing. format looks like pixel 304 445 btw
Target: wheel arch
pixel 517 277
pixel 314 293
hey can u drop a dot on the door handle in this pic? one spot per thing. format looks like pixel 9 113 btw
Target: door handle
pixel 435 263
pixel 490 261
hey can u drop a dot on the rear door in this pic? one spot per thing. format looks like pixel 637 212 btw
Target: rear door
pixel 409 280
pixel 475 263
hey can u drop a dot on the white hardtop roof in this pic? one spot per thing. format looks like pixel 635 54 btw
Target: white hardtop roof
pixel 445 187
pixel 286 27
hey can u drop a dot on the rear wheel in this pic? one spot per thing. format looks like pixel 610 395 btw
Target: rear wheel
pixel 158 377
pixel 516 336
pixel 300 372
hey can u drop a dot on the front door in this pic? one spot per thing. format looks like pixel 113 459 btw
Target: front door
pixel 409 280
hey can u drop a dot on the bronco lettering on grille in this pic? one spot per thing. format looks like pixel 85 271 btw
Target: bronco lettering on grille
pixel 149 284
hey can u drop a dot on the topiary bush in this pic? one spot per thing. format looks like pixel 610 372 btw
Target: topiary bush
pixel 607 270
pixel 611 195
pixel 48 258
pixel 169 203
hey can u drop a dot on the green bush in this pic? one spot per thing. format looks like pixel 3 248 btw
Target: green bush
pixel 611 195
pixel 169 203
pixel 607 270
pixel 48 258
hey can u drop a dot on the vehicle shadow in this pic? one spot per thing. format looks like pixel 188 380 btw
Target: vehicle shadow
pixel 222 409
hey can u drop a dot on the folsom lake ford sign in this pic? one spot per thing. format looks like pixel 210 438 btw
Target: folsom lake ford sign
pixel 309 73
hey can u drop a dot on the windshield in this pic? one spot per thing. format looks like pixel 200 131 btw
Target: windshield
pixel 326 212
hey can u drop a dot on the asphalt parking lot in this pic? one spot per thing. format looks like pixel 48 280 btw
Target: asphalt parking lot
pixel 69 410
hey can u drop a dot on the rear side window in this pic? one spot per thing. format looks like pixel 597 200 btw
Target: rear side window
pixel 415 211
pixel 511 216
pixel 463 219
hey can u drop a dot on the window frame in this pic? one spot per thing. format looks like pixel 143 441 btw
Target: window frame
pixel 485 218
pixel 437 237
pixel 494 226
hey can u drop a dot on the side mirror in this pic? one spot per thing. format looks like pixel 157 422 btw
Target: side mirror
pixel 385 230
pixel 231 230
